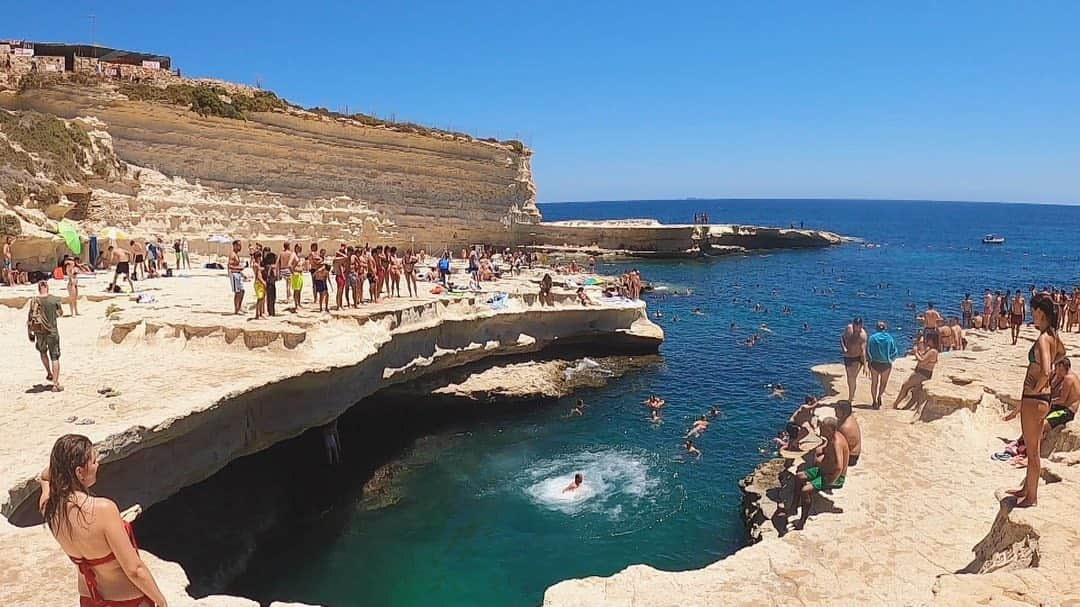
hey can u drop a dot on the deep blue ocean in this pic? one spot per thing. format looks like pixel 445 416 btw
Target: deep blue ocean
pixel 481 520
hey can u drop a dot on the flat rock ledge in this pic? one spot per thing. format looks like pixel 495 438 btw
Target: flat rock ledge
pixel 497 383
pixel 922 520
pixel 173 388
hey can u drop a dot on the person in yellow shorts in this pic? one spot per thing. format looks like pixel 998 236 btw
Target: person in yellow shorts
pixel 260 284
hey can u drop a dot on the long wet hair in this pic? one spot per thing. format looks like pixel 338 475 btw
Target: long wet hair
pixel 1045 304
pixel 68 453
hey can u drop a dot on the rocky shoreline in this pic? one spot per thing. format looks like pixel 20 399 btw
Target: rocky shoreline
pixel 921 521
pixel 210 387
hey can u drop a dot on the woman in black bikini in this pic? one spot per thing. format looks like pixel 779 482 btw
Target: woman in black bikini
pixel 1035 403
pixel 926 355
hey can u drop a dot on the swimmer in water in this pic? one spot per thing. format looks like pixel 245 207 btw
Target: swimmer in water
pixel 805 327
pixel 576 409
pixel 698 428
pixel 697 312
pixel 765 327
pixel 574 484
pixel 714 411
pixel 654 417
pixel 691 449
pixel 732 326
pixel 778 391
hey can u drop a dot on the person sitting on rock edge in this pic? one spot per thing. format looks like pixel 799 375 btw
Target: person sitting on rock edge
pixel 828 473
pixel 849 427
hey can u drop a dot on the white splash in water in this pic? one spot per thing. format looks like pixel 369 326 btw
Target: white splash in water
pixel 613 479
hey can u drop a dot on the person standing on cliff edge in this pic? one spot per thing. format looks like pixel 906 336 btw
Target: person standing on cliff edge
pixel 236 277
pixel 853 349
pixel 882 351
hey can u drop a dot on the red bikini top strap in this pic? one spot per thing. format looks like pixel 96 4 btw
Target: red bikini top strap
pixel 86 566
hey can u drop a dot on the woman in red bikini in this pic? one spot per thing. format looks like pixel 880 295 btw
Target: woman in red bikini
pixel 91 532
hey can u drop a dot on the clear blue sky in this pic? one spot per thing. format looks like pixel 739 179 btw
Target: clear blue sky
pixel 619 100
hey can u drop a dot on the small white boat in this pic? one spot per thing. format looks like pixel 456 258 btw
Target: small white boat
pixel 993 239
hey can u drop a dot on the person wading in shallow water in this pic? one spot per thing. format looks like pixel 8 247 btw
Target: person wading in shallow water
pixel 1035 402
pixel 853 349
pixel 92 532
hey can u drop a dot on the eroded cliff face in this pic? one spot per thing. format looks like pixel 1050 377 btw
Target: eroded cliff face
pixel 289 173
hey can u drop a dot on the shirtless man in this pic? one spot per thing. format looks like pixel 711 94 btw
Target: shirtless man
pixel 988 302
pixel 829 471
pixel 314 262
pixel 574 484
pixel 361 272
pixel 339 270
pixel 139 253
pixel 966 311
pixel 958 334
pixel 931 318
pixel 995 310
pixel 698 428
pixel 1016 315
pixel 285 269
pixel 849 427
pixel 236 277
pixel 853 349
pixel 9 264
pixel 121 260
pixel 297 278
pixel 1066 396
pixel 801 423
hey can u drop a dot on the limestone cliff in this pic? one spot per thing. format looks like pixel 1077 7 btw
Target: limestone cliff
pixel 286 173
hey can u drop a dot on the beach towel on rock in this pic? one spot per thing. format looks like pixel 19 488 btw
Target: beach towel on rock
pixel 498 301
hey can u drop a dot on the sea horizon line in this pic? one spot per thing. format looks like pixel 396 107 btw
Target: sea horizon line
pixel 814 199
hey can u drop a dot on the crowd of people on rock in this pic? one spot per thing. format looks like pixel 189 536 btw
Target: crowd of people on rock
pixel 1050 397
pixel 830 442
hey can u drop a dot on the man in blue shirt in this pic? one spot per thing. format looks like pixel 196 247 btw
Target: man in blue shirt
pixel 882 351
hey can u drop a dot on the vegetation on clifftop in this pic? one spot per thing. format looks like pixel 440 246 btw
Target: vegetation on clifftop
pixel 205 99
pixel 208 99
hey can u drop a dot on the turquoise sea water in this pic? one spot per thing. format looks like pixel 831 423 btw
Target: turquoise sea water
pixel 479 518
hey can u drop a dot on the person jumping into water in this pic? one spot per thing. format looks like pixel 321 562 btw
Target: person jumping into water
pixel 574 484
